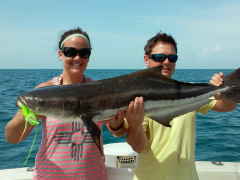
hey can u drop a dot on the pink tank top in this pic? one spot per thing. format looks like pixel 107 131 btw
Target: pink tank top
pixel 67 151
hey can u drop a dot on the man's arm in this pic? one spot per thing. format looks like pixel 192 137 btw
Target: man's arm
pixel 136 136
pixel 134 115
pixel 222 105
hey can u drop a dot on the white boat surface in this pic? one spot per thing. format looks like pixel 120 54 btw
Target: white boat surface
pixel 121 161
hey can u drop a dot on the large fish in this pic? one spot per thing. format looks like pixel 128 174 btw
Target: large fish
pixel 164 98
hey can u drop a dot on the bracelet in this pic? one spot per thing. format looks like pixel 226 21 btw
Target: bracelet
pixel 115 129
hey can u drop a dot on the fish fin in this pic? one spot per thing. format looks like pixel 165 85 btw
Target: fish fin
pixel 93 130
pixel 155 72
pixel 164 115
pixel 152 72
pixel 232 80
pixel 166 122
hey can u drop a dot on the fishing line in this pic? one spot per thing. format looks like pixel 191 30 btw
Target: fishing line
pixel 30 117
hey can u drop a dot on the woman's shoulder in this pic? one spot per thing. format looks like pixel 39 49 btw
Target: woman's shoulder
pixel 87 79
pixel 47 83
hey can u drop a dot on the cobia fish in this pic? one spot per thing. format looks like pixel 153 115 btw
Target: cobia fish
pixel 164 98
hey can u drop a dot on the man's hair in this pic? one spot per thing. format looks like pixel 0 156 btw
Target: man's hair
pixel 160 37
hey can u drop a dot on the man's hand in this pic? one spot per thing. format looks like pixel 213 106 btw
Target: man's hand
pixel 135 114
pixel 217 80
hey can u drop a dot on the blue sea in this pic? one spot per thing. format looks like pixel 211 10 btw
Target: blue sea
pixel 218 134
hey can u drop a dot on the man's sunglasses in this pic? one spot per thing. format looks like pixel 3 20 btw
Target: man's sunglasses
pixel 162 57
pixel 72 52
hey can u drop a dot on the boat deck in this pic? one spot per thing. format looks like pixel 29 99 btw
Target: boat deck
pixel 206 171
pixel 125 170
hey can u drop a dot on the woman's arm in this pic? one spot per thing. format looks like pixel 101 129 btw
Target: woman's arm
pixel 117 126
pixel 15 127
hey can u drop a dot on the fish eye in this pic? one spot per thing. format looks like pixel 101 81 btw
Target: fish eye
pixel 41 102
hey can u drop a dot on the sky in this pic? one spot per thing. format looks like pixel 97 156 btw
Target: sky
pixel 207 32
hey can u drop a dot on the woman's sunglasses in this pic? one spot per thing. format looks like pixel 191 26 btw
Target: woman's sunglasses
pixel 72 52
pixel 162 57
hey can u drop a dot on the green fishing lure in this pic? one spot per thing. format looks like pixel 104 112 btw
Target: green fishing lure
pixel 30 117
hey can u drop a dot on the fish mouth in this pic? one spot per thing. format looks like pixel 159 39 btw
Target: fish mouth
pixel 18 104
pixel 21 101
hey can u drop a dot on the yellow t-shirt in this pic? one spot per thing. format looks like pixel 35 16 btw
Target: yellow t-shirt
pixel 170 152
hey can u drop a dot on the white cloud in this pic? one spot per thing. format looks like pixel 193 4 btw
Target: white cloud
pixel 210 51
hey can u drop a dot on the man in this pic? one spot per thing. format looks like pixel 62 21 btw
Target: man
pixel 166 153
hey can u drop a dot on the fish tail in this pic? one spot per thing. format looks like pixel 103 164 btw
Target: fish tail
pixel 233 81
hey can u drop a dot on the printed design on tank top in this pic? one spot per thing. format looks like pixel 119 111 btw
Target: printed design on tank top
pixel 77 138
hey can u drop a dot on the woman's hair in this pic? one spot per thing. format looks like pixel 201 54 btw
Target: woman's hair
pixel 73 31
pixel 160 37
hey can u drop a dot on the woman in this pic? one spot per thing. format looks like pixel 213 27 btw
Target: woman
pixel 67 150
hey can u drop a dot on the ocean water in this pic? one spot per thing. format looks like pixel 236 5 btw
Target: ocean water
pixel 218 134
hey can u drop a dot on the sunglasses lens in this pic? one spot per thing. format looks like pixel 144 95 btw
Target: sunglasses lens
pixel 162 57
pixel 159 57
pixel 69 51
pixel 84 53
pixel 173 58
pixel 72 52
